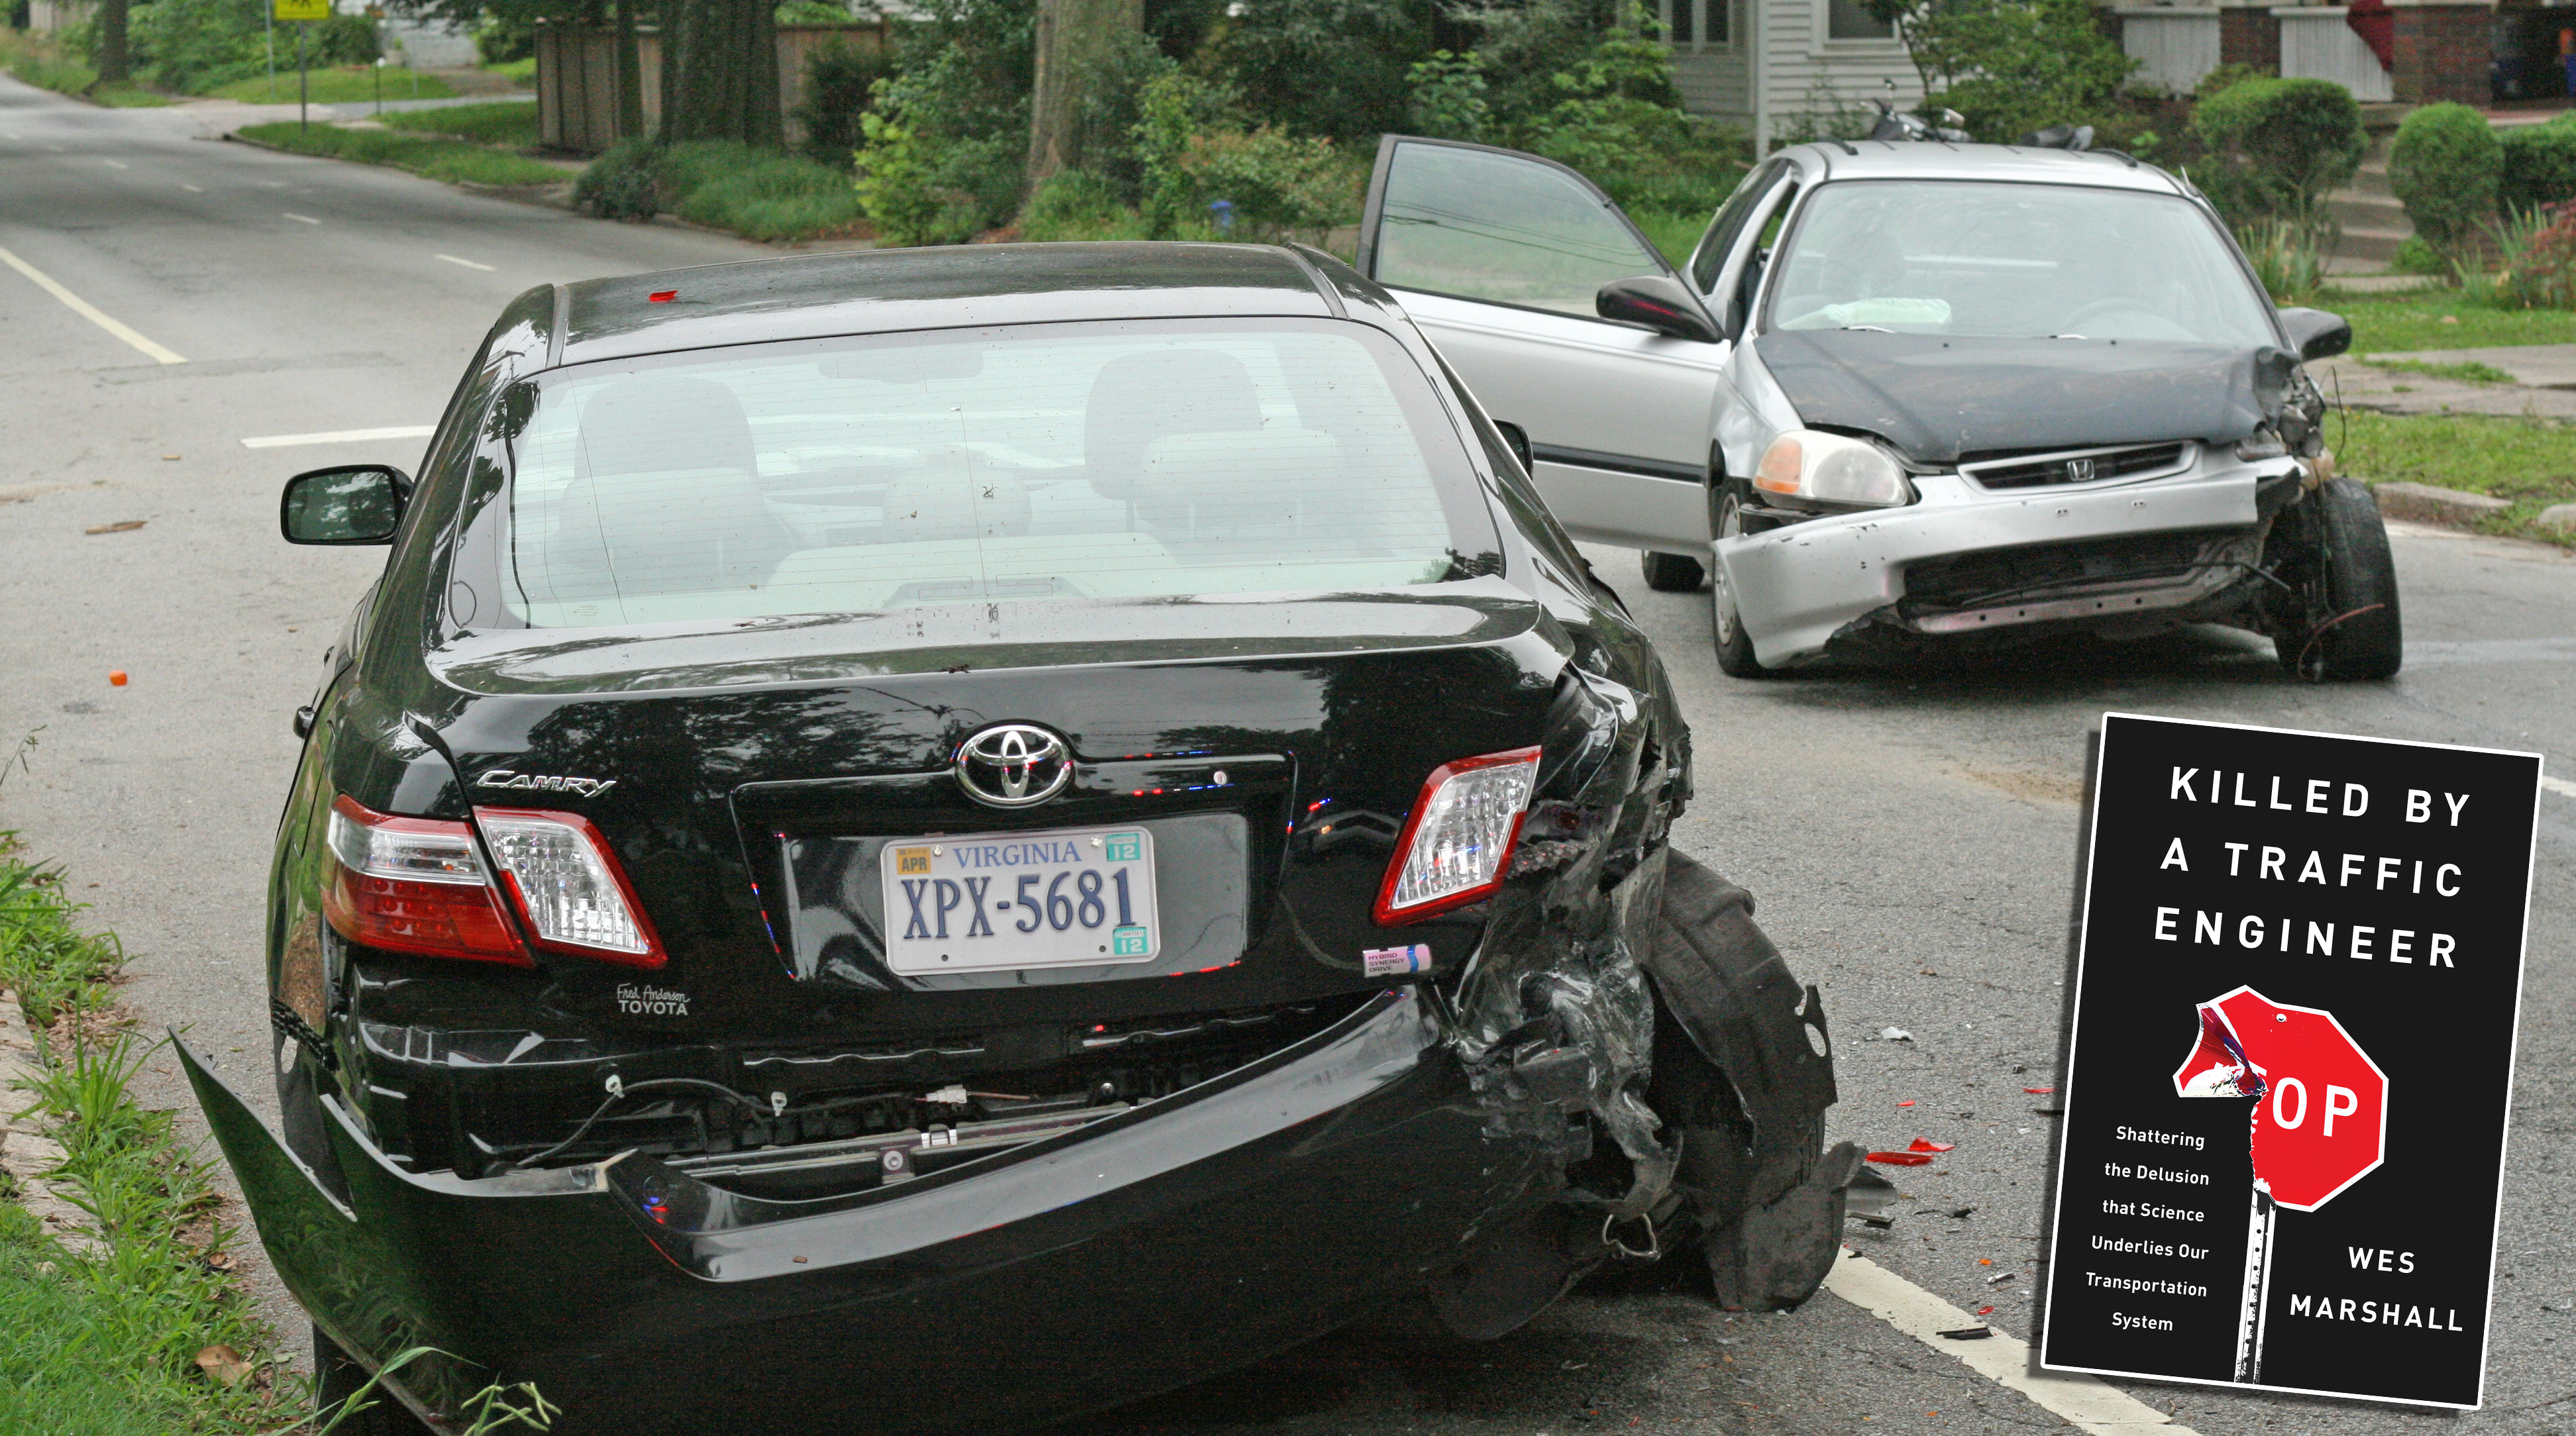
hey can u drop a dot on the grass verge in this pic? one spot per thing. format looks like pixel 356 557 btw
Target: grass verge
pixel 759 194
pixel 2471 372
pixel 46 66
pixel 509 123
pixel 2401 323
pixel 2530 462
pixel 522 71
pixel 341 85
pixel 151 1334
pixel 431 156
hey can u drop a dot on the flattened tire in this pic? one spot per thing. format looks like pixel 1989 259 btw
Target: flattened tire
pixel 1734 649
pixel 2358 635
pixel 1673 573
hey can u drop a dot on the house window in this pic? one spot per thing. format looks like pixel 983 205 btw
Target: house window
pixel 1851 20
pixel 1677 25
pixel 1718 29
pixel 1689 24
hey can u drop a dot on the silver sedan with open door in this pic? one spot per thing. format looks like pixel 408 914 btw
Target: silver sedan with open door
pixel 1907 394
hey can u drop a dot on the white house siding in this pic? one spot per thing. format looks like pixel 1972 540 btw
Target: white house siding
pixel 1716 83
pixel 2316 44
pixel 1802 71
pixel 2174 46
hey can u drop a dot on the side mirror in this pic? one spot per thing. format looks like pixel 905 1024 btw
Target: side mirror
pixel 2317 334
pixel 352 504
pixel 1659 303
pixel 1516 439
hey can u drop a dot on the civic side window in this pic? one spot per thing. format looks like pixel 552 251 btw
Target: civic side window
pixel 1748 283
pixel 1710 261
pixel 1503 228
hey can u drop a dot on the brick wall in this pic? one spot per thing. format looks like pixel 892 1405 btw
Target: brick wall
pixel 2441 53
pixel 2249 35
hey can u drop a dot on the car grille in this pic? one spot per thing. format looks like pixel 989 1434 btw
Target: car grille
pixel 2081 467
pixel 1962 580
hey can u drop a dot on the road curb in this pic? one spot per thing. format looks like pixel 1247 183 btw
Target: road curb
pixel 27 1152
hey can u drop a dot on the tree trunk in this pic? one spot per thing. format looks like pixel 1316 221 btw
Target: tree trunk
pixel 630 74
pixel 114 68
pixel 727 85
pixel 1073 37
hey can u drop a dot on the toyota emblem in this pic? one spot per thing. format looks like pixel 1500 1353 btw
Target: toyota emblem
pixel 1011 765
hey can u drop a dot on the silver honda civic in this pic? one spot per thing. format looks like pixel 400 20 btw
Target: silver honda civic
pixel 1906 395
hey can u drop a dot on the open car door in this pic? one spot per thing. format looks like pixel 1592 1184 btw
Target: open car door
pixel 1502 258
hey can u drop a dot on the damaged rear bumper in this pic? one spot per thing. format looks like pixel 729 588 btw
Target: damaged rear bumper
pixel 1141 1252
pixel 1798 587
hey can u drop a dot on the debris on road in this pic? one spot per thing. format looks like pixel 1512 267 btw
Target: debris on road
pixel 116 678
pixel 1926 1144
pixel 121 526
pixel 2039 1091
pixel 1894 1034
pixel 1999 1278
pixel 1970 1333
pixel 1902 1159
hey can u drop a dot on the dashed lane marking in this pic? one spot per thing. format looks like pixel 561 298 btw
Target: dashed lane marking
pixel 2085 1403
pixel 470 264
pixel 192 189
pixel 2560 786
pixel 89 311
pixel 299 218
pixel 116 164
pixel 337 436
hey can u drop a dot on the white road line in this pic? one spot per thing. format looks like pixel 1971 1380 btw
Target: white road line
pixel 192 189
pixel 470 264
pixel 2560 786
pixel 116 164
pixel 299 218
pixel 337 436
pixel 89 311
pixel 2086 1403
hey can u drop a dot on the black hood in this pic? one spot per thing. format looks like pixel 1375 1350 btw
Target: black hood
pixel 1937 399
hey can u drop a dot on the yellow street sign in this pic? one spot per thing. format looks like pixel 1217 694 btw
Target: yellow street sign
pixel 303 9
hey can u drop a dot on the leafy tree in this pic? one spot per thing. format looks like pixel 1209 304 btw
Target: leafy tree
pixel 2276 147
pixel 2010 66
pixel 1448 99
pixel 1337 68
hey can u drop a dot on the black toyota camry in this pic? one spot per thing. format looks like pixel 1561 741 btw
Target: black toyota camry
pixel 930 840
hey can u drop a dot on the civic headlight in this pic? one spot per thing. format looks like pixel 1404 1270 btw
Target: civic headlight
pixel 1832 469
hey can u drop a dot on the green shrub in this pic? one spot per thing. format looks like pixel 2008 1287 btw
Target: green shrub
pixel 622 183
pixel 1074 205
pixel 1204 169
pixel 1336 68
pixel 340 40
pixel 2276 147
pixel 2538 265
pixel 943 151
pixel 2284 256
pixel 191 46
pixel 505 36
pixel 2444 168
pixel 755 193
pixel 840 81
pixel 1613 121
pixel 2539 165
pixel 2415 256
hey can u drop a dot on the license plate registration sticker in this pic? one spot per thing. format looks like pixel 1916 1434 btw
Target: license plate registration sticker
pixel 1076 897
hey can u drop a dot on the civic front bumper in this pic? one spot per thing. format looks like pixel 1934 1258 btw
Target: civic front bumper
pixel 1145 1251
pixel 1795 588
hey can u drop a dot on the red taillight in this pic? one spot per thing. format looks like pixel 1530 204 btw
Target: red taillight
pixel 1459 838
pixel 413 885
pixel 569 888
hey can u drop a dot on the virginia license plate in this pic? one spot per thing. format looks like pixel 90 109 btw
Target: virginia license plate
pixel 1077 897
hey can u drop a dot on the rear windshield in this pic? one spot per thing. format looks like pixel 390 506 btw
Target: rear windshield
pixel 1079 461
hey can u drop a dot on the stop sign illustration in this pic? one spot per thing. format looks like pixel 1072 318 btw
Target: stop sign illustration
pixel 2321 1114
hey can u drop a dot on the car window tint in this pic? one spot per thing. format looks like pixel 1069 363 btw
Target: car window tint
pixel 1024 463
pixel 2014 260
pixel 1492 226
pixel 1710 259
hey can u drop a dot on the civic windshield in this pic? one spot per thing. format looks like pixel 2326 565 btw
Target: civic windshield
pixel 2014 261
pixel 1079 461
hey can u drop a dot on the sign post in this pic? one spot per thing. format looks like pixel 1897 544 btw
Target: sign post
pixel 306 11
pixel 2328 933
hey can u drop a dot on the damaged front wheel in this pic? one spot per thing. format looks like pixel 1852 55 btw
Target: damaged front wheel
pixel 1734 649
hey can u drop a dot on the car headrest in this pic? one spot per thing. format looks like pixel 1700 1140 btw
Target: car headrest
pixel 656 423
pixel 1137 399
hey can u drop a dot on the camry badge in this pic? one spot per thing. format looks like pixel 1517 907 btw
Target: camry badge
pixel 552 783
pixel 1011 765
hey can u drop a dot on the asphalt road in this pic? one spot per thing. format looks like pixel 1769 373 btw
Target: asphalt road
pixel 1911 832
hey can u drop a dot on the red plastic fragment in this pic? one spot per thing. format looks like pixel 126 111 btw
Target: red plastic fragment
pixel 1985 1311
pixel 1908 1102
pixel 662 296
pixel 1926 1144
pixel 2039 1091
pixel 1902 1159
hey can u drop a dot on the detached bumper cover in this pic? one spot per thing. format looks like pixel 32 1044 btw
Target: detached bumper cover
pixel 1796 588
pixel 1137 1254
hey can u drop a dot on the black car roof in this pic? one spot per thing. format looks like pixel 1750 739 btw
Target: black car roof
pixel 880 291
